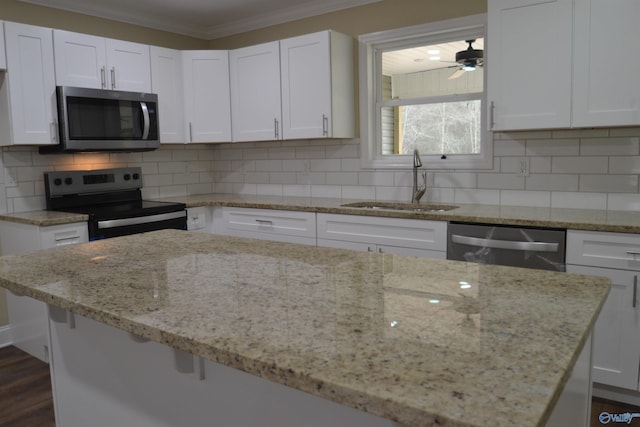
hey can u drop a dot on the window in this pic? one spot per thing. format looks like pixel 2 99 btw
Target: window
pixel 422 88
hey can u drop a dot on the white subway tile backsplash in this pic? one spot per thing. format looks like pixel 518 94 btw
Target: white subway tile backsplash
pixel 358 192
pixel 553 147
pixel 623 202
pixel 624 165
pixel 609 183
pixel 467 195
pixel 525 198
pixel 589 168
pixel 574 200
pixel 610 146
pixel 500 181
pixel 580 165
pixel 552 182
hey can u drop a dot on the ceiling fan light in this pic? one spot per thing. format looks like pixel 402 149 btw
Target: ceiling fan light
pixel 469 67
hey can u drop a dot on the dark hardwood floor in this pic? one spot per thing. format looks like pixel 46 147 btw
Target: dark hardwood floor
pixel 26 401
pixel 25 390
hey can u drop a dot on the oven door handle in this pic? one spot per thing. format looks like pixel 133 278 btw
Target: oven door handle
pixel 112 223
pixel 505 244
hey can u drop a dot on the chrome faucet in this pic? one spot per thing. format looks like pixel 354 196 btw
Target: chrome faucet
pixel 418 191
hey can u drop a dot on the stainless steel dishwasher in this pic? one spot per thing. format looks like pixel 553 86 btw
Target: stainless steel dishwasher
pixel 528 247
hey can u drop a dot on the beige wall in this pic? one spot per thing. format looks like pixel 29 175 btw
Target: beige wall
pixel 384 15
pixel 16 11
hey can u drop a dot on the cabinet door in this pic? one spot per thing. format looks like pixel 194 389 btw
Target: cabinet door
pixel 616 349
pixel 80 60
pixel 3 56
pixel 206 95
pixel 30 86
pixel 529 63
pixel 317 66
pixel 605 75
pixel 129 66
pixel 166 82
pixel 306 75
pixel 255 92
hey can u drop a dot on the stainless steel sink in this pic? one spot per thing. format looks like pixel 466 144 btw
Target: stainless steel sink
pixel 396 206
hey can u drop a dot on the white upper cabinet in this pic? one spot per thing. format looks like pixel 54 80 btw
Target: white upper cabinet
pixel 255 92
pixel 28 112
pixel 167 83
pixel 317 86
pixel 206 95
pixel 606 82
pixel 563 63
pixel 529 64
pixel 84 60
pixel 3 57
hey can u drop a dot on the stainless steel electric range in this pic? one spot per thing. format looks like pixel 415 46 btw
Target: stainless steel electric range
pixel 112 199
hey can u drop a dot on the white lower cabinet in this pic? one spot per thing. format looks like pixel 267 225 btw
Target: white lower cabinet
pixel 104 377
pixel 379 234
pixel 266 224
pixel 28 317
pixel 616 354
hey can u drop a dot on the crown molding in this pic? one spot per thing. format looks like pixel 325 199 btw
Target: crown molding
pixel 275 17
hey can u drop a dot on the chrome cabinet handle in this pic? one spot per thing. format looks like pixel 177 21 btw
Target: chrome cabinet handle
pixel 635 290
pixel 369 249
pixel 277 128
pixel 380 250
pixel 53 130
pixel 633 252
pixel 325 125
pixel 505 244
pixel 113 77
pixel 190 131
pixel 103 77
pixel 264 222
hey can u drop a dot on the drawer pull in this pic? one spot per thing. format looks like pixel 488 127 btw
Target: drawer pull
pixel 264 222
pixel 634 253
pixel 635 290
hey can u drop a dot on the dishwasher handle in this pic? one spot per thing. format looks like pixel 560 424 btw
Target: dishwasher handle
pixel 505 244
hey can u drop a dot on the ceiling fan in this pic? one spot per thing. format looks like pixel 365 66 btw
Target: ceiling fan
pixel 469 59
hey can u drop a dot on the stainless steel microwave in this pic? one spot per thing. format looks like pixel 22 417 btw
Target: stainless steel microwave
pixel 105 120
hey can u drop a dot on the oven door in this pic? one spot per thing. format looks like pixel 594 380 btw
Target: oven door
pixel 104 229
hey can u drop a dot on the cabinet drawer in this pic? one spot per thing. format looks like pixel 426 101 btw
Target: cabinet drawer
pixel 407 233
pixel 613 250
pixel 60 235
pixel 288 226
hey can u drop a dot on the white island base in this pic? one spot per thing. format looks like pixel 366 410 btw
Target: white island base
pixel 105 377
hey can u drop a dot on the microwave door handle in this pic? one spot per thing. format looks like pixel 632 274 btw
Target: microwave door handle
pixel 145 115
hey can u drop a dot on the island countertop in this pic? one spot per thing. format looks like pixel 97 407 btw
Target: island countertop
pixel 414 340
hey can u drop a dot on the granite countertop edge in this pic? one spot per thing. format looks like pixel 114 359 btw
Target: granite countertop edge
pixel 566 218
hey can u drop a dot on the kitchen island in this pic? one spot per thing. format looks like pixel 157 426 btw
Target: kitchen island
pixel 403 340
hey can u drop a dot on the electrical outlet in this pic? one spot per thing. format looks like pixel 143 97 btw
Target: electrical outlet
pixel 523 167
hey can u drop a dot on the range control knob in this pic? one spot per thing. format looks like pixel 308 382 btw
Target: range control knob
pixel 68 181
pixel 57 181
pixel 127 177
pixel 136 176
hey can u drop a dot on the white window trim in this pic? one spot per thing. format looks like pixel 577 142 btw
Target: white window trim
pixel 370 156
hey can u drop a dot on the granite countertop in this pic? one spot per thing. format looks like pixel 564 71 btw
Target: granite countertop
pixel 395 336
pixel 577 219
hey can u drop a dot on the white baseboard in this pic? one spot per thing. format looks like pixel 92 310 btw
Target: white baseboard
pixel 629 397
pixel 5 336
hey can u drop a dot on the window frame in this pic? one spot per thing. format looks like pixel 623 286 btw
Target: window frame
pixel 370 45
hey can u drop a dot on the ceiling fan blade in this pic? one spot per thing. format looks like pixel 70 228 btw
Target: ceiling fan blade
pixel 456 74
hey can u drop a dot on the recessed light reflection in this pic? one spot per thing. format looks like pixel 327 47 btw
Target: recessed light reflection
pixel 98 258
pixel 434 301
pixel 433 51
pixel 434 58
pixel 465 285
pixel 394 323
